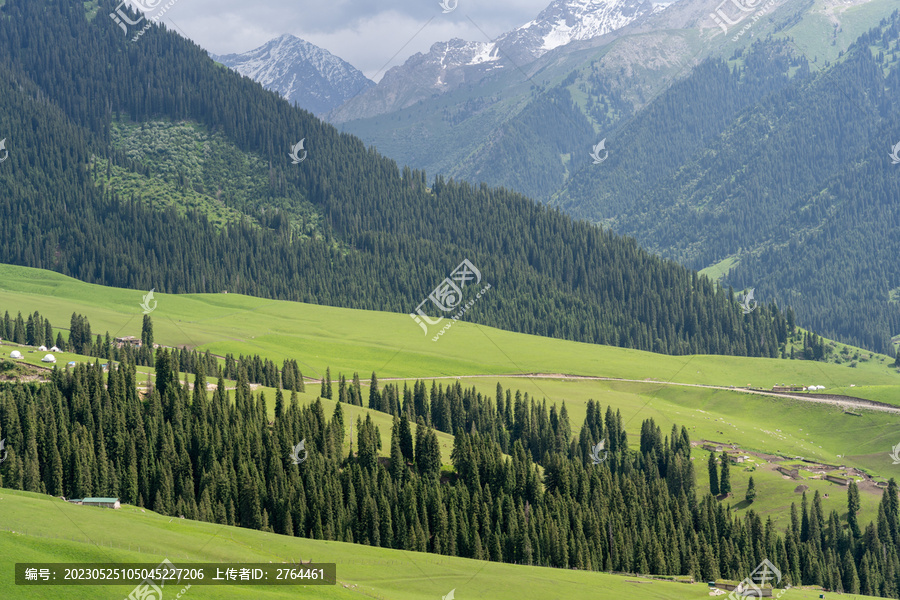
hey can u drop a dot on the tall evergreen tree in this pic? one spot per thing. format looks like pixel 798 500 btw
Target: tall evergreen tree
pixel 713 474
pixel 405 439
pixel 853 506
pixel 725 479
pixel 374 394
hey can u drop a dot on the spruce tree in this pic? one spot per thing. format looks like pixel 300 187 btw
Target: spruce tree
pixel 853 505
pixel 725 479
pixel 355 393
pixel 147 332
pixel 48 334
pixel 751 491
pixel 406 439
pixel 374 395
pixel 713 474
pixel 19 330
pixel 398 463
pixel 30 337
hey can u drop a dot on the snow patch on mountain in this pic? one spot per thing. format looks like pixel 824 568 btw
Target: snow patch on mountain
pixel 303 73
pixel 566 21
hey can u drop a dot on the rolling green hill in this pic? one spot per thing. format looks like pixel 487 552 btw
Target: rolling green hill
pixel 350 341
pixel 36 528
pixel 354 340
pixel 344 338
pixel 167 172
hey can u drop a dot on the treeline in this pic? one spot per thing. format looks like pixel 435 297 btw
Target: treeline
pixel 37 331
pixel 385 233
pixel 258 370
pixel 221 459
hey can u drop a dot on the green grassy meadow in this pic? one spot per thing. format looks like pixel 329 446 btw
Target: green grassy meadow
pixel 36 528
pixel 392 345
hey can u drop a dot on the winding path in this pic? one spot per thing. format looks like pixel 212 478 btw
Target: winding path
pixel 845 402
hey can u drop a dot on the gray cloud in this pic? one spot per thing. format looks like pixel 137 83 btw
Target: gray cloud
pixel 372 36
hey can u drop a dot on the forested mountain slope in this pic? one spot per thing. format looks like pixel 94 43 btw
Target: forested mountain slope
pixel 636 509
pixel 707 172
pixel 780 165
pixel 531 128
pixel 344 227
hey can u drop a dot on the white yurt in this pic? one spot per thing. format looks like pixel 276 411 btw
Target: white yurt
pixel 15 354
pixel 43 348
pixel 49 358
pixel 55 349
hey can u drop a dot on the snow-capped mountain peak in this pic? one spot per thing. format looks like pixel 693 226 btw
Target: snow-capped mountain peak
pixel 565 21
pixel 303 73
pixel 448 65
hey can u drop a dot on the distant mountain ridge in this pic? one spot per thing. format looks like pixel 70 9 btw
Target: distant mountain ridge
pixel 565 21
pixel 451 64
pixel 303 73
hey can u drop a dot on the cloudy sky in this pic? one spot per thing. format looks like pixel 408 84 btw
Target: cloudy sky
pixel 371 35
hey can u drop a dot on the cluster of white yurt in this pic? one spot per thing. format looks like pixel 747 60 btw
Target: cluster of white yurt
pixel 48 358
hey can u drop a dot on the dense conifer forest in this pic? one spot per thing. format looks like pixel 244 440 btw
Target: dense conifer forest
pixel 779 160
pixel 220 459
pixel 383 238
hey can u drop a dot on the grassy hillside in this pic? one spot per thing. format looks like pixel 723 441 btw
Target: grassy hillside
pixel 751 423
pixel 38 528
pixel 350 340
pixel 393 346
